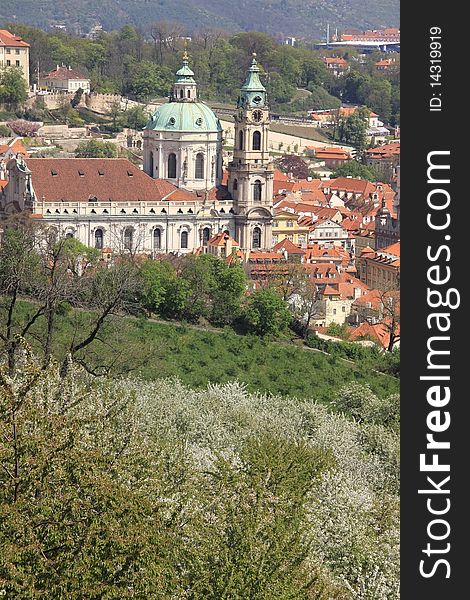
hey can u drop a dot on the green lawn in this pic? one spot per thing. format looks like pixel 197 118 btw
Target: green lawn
pixel 154 350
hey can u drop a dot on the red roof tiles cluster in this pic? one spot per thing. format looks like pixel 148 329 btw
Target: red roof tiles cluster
pixel 9 39
pixel 384 151
pixel 63 73
pixel 106 179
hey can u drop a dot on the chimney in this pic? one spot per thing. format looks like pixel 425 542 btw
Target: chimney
pixel 228 245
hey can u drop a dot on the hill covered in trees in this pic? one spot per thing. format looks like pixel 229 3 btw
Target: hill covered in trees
pixel 141 63
pixel 290 17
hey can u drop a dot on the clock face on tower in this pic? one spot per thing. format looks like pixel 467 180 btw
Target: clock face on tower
pixel 257 115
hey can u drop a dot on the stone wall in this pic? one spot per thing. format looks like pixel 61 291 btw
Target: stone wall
pixel 98 103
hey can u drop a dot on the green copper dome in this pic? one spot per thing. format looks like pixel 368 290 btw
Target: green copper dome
pixel 184 116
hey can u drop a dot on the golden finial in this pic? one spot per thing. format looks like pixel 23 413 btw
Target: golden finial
pixel 185 54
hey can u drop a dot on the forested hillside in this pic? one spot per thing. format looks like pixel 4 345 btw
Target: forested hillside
pixel 141 65
pixel 290 17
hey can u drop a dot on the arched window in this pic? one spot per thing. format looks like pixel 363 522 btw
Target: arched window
pixel 235 184
pixel 184 239
pixel 206 234
pixel 181 93
pixel 128 238
pixel 199 172
pixel 189 93
pixel 172 166
pixel 256 237
pixel 257 140
pixel 99 238
pixel 69 234
pixel 151 166
pixel 257 191
pixel 240 140
pixel 157 239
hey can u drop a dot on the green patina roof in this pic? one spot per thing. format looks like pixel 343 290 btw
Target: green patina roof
pixel 184 116
pixel 185 75
pixel 252 81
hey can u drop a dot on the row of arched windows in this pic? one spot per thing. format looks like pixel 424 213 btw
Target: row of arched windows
pixel 199 167
pixel 256 141
pixel 157 238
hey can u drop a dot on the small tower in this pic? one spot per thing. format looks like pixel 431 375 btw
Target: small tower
pixel 185 87
pixel 251 171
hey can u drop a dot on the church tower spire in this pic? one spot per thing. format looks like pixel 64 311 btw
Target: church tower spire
pixel 251 171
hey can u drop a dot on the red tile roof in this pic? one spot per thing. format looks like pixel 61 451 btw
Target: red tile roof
pixel 376 298
pixel 64 73
pixel 350 184
pixel 16 146
pixel 334 153
pixel 288 246
pixel 107 179
pixel 220 239
pixel 335 61
pixel 379 333
pixel 394 249
pixel 384 151
pixel 9 39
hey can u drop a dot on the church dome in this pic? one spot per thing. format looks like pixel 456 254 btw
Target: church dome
pixel 189 117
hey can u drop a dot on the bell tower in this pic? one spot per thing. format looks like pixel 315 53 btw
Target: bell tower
pixel 251 172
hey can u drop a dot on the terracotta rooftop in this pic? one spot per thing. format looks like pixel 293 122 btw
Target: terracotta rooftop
pixel 9 39
pixel 384 151
pixel 106 179
pixel 288 246
pixel 220 239
pixel 63 73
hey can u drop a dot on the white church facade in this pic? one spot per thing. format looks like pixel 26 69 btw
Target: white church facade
pixel 177 202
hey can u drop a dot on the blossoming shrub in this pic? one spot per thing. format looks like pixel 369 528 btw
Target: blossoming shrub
pixel 130 489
